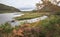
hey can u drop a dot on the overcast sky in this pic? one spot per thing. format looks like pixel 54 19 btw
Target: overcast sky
pixel 20 3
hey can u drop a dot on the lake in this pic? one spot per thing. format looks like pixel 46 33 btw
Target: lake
pixel 8 17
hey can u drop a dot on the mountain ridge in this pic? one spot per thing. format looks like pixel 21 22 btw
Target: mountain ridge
pixel 5 8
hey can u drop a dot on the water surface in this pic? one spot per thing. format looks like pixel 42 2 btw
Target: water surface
pixel 6 17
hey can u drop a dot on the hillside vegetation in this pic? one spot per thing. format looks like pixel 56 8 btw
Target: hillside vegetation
pixel 5 8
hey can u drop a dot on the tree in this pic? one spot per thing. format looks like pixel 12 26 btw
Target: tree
pixel 56 2
pixel 39 5
pixel 46 3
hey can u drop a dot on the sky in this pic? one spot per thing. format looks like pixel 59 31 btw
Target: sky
pixel 20 3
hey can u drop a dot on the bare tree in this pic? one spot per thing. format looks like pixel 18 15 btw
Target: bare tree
pixel 45 3
pixel 39 5
pixel 56 2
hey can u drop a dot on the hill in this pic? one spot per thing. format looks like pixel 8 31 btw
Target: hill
pixel 5 8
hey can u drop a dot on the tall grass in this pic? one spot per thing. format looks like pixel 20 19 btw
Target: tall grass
pixel 49 27
pixel 5 30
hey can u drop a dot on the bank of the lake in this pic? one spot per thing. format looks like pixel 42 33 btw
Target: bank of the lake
pixel 9 17
pixel 6 17
pixel 30 15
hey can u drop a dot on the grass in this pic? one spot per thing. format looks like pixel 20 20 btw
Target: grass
pixel 45 28
pixel 52 18
pixel 49 27
pixel 29 15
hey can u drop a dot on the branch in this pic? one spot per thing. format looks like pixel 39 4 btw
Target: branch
pixel 58 2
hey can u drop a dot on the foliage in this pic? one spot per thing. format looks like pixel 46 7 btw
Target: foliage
pixel 45 28
pixel 6 28
pixel 29 16
pixel 49 27
pixel 5 9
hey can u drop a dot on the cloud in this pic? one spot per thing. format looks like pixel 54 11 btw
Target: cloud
pixel 20 3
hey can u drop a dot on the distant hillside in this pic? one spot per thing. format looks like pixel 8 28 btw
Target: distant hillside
pixel 5 8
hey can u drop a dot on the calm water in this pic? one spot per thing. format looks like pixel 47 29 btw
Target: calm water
pixel 8 17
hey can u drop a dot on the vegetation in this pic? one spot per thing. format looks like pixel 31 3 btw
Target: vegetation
pixel 30 15
pixel 48 6
pixel 5 30
pixel 5 8
pixel 49 27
